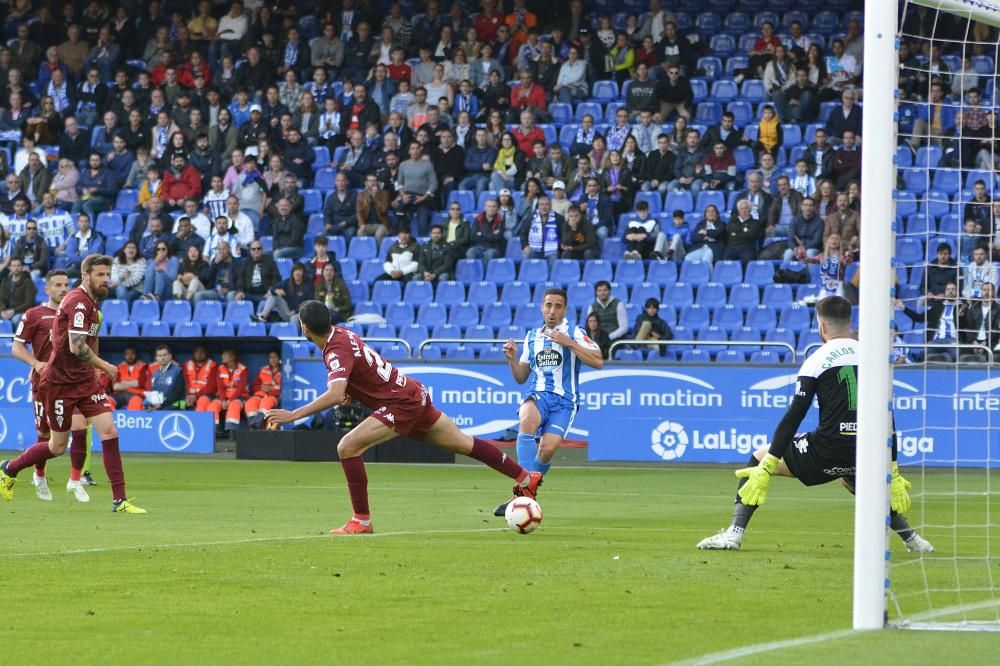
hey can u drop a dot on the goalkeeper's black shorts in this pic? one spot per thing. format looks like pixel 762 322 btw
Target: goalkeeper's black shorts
pixel 815 461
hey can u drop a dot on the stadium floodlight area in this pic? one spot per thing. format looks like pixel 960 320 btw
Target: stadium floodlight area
pixel 930 157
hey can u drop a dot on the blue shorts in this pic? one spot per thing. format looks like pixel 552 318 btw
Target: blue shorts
pixel 556 411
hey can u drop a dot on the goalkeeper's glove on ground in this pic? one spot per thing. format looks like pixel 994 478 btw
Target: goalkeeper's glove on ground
pixel 899 498
pixel 754 491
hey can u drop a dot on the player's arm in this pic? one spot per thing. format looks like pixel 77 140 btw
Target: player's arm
pixel 519 367
pixel 19 351
pixel 78 347
pixel 754 491
pixel 336 393
pixel 586 349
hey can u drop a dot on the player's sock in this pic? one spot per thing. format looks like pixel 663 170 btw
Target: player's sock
pixel 88 444
pixel 35 453
pixel 542 467
pixel 77 453
pixel 741 512
pixel 527 448
pixel 357 485
pixel 900 525
pixel 113 467
pixel 40 470
pixel 488 454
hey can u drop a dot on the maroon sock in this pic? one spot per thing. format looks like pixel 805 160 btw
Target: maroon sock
pixel 488 454
pixel 78 449
pixel 34 454
pixel 40 469
pixel 113 467
pixel 357 484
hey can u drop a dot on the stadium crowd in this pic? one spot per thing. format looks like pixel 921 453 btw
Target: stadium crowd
pixel 222 150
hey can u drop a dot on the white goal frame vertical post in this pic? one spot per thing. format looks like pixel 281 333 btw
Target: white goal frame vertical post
pixel 878 181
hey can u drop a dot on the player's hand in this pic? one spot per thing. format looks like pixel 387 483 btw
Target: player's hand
pixel 279 416
pixel 111 371
pixel 754 491
pixel 899 497
pixel 558 337
pixel 510 349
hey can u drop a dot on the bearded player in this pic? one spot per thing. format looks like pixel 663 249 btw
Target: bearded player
pixel 550 364
pixel 400 404
pixel 828 453
pixel 35 329
pixel 69 383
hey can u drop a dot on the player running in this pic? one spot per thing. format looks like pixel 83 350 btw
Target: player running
pixel 35 329
pixel 551 360
pixel 69 382
pixel 829 452
pixel 400 404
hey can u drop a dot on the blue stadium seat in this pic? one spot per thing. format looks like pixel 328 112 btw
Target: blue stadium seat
pixel 904 156
pixel 126 201
pixel 371 270
pixel 188 329
pixel 316 224
pixel 920 224
pixel 337 246
pixel 110 224
pixel 459 353
pixel 465 198
pixel 324 179
pixel 765 356
pixel 251 329
pixel 413 334
pixel 527 315
pixel 629 355
pixel 794 317
pixel 588 108
pixel 736 63
pixel 752 91
pixel 284 329
pixel 533 271
pixel 696 273
pixel 654 200
pixel 662 272
pixel 156 329
pixel 145 311
pixel 469 270
pixel 710 65
pixel 710 198
pixel 708 113
pixel 728 317
pixel 515 293
pixel 383 248
pixel 432 314
pixel 561 113
pixel 463 315
pixel 762 317
pixel 500 271
pixel 565 271
pixel 695 356
pixel 643 291
pixel 947 180
pixel 284 265
pixel 312 201
pixel 728 273
pixel 734 356
pixel 207 312
pixel 612 247
pixel 909 250
pixel 630 272
pixel 708 23
pixel 239 312
pixel 742 111
pixel 928 156
pixel 125 329
pixel 712 334
pixel 724 90
pixel 678 294
pixel 736 23
pixel 595 270
pixel 418 292
pixel 383 330
pixel 220 329
pixel 450 292
pixel 759 273
pixel 579 294
pixel 780 335
pixel 722 45
pixel 497 315
pixel 744 295
pixel 604 91
pixel 678 201
pixel 368 307
pixel 386 291
pixel 777 295
pixel 694 317
pixel 115 243
pixel 711 295
pixel 667 313
pixel 362 248
pixel 359 290
pixel 482 293
pixel 792 135
pixel 512 331
pixel 114 310
pixel 399 314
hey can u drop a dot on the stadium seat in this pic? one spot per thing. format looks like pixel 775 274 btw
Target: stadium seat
pixel 630 272
pixel 371 270
pixel 708 198
pixel 654 200
pixel 728 317
pixel 368 308
pixel 188 329
pixel 387 291
pixel 678 201
pixel 724 91
pixel 735 23
pixel 449 293
pixel 909 250
pixel 220 329
pixel 413 334
pixel 715 335
pixel 114 310
pixel 465 198
pixel 144 311
pixel 469 270
pixel 500 271
pixel 463 315
pixel 588 108
pixel 565 271
pixel 126 201
pixel 459 353
pixel 762 317
pixel 497 315
pixel 515 293
pixel 777 295
pixel 562 114
pixel 316 224
pixel 752 91
pixel 527 315
pixel 312 201
pixel 696 273
pixel 694 317
pixel 759 273
pixel 947 180
pixel 595 270
pixel 482 293
pixel 156 329
pixel 399 314
pixel 744 296
pixel 207 312
pixel 711 66
pixel 284 265
pixel 695 356
pixel 380 331
pixel 742 113
pixel 579 294
pixel 251 329
pixel 722 45
pixel 728 273
pixel 662 272
pixel 643 291
pixel 678 294
pixel 322 154
pixel 795 317
pixel 110 224
pixel 708 113
pixel 604 91
pixel 418 292
pixel 734 356
pixel 629 355
pixel 283 329
pixel 362 248
pixel 533 271
pixel 125 329
pixel 711 295
pixel 432 314
pixel 324 179
pixel 359 290
pixel 239 312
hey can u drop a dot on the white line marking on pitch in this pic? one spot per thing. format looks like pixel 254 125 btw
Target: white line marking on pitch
pixel 750 650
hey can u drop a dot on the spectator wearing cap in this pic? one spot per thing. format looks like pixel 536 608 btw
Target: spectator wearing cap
pixel 255 276
pixel 650 326
pixel 486 234
pixel 560 203
pixel 403 261
pixel 479 159
pixel 579 241
pixel 251 130
pixel 437 257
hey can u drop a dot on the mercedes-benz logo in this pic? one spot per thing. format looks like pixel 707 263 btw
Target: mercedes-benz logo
pixel 176 432
pixel 3 429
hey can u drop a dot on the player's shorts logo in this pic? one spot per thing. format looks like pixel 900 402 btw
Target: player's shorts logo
pixel 669 440
pixel 548 359
pixel 801 444
pixel 176 432
pixel 99 397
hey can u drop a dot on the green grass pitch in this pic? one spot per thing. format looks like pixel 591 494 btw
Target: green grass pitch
pixel 233 565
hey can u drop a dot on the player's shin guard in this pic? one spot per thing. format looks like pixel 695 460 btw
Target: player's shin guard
pixel 488 454
pixel 357 486
pixel 77 453
pixel 34 454
pixel 900 525
pixel 741 512
pixel 527 449
pixel 113 467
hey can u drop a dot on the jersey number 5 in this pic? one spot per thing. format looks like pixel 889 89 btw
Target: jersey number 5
pixel 847 376
pixel 382 366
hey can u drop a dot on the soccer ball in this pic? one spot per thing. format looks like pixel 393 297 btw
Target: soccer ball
pixel 523 515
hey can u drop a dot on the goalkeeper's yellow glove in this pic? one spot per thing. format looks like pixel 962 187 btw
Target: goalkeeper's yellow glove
pixel 754 491
pixel 899 498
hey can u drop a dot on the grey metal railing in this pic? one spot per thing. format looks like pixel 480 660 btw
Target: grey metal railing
pixel 989 352
pixel 705 343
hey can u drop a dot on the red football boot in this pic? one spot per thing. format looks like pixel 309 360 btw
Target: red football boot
pixel 530 490
pixel 352 526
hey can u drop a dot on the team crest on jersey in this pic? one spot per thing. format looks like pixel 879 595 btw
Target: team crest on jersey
pixel 78 320
pixel 548 359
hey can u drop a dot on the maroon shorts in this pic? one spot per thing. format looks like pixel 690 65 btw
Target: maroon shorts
pixel 62 400
pixel 38 405
pixel 411 417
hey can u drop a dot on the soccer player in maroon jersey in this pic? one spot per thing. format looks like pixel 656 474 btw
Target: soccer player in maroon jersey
pixel 35 329
pixel 69 382
pixel 401 406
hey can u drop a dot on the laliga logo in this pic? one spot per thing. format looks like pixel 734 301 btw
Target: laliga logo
pixel 669 440
pixel 176 432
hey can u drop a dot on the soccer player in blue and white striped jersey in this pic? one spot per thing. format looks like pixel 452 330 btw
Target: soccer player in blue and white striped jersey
pixel 550 365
